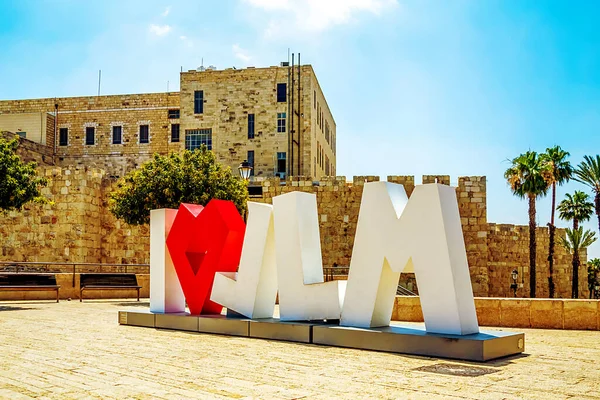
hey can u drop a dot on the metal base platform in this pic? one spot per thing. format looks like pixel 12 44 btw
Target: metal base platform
pixel 396 338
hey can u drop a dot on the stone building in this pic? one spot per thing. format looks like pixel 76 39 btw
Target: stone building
pixel 277 118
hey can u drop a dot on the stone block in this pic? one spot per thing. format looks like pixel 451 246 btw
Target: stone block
pixel 488 311
pixel 408 308
pixel 515 313
pixel 581 314
pixel 547 313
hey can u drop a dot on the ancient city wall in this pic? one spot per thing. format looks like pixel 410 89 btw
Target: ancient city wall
pixel 78 227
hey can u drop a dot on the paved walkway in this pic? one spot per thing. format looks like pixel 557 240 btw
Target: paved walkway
pixel 75 350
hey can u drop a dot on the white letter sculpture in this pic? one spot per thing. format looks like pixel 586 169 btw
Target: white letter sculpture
pixel 392 232
pixel 166 295
pixel 303 294
pixel 253 289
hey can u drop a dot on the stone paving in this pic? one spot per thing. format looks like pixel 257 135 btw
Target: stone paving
pixel 75 350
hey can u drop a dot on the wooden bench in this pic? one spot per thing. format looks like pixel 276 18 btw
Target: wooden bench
pixel 97 281
pixel 26 282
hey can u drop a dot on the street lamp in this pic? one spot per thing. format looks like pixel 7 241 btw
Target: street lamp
pixel 245 170
pixel 514 275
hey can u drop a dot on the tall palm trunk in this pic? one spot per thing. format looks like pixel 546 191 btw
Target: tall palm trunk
pixel 532 249
pixel 575 286
pixel 551 246
pixel 597 206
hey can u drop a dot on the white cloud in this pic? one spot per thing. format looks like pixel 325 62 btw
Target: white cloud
pixel 316 15
pixel 188 42
pixel 166 12
pixel 240 53
pixel 160 30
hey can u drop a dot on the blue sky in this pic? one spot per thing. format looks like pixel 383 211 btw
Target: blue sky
pixel 415 87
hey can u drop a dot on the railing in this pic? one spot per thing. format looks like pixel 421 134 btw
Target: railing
pixel 330 272
pixel 72 267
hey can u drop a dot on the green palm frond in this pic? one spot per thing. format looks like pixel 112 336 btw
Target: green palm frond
pixel 588 172
pixel 577 240
pixel 556 160
pixel 529 175
pixel 576 206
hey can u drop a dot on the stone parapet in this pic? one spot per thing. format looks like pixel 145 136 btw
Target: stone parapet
pixel 518 313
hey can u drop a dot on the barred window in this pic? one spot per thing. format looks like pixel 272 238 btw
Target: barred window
pixel 63 136
pixel 144 134
pixel 281 122
pixel 90 135
pixel 250 126
pixel 117 134
pixel 174 114
pixel 174 133
pixel 198 101
pixel 194 138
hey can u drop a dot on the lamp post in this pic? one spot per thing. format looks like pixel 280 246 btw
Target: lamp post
pixel 514 275
pixel 245 169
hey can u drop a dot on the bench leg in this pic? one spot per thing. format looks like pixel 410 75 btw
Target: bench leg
pixel 57 295
pixel 138 299
pixel 80 295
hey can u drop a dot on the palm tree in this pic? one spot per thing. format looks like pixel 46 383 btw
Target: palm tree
pixel 561 171
pixel 576 208
pixel 528 177
pixel 574 242
pixel 593 267
pixel 588 173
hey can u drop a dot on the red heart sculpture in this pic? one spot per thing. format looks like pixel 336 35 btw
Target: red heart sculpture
pixel 203 241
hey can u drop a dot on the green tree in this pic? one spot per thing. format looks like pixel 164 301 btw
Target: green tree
pixel 593 267
pixel 575 241
pixel 528 177
pixel 167 181
pixel 588 173
pixel 576 208
pixel 19 183
pixel 560 172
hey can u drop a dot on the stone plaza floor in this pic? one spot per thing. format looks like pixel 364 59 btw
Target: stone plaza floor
pixel 73 350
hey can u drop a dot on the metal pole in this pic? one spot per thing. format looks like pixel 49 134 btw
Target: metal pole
pixel 290 172
pixel 299 171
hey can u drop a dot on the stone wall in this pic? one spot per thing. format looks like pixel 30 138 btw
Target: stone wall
pixel 517 313
pixel 31 151
pixel 78 227
pixel 508 249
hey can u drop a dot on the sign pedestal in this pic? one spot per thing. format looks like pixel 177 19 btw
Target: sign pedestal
pixel 396 338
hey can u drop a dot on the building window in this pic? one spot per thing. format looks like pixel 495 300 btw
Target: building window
pixel 174 133
pixel 250 160
pixel 250 126
pixel 22 134
pixel 63 136
pixel 90 133
pixel 198 101
pixel 281 164
pixel 314 99
pixel 144 134
pixel 117 134
pixel 281 92
pixel 280 122
pixel 194 138
pixel 174 114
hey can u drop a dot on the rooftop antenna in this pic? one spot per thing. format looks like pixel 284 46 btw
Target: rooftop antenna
pixel 181 70
pixel 99 80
